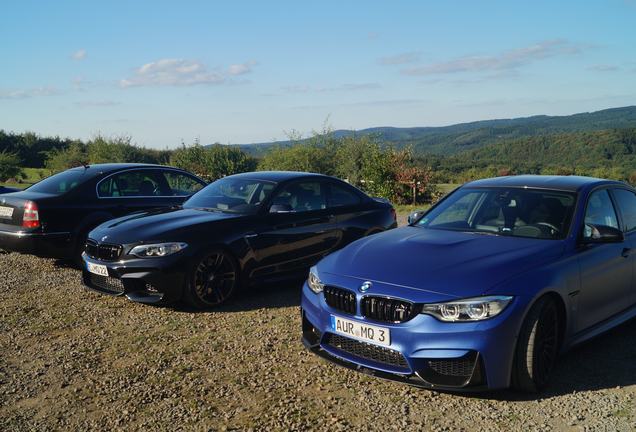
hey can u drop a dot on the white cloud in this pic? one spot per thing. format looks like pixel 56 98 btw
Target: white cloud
pixel 603 68
pixel 172 72
pixel 79 54
pixel 241 68
pixel 180 72
pixel 296 89
pixel 338 88
pixel 28 93
pixel 96 103
pixel 507 60
pixel 403 58
pixel 350 87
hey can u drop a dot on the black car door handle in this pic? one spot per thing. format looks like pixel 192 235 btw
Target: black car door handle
pixel 626 252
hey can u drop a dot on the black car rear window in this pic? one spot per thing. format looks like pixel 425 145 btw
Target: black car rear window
pixel 61 183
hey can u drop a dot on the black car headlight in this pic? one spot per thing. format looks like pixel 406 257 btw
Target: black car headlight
pixel 313 281
pixel 157 250
pixel 471 309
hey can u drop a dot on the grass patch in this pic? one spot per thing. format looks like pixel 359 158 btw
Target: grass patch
pixel 31 176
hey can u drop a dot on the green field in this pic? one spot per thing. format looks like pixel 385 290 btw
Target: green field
pixel 31 175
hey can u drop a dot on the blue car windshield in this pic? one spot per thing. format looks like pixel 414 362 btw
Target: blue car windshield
pixel 232 195
pixel 516 212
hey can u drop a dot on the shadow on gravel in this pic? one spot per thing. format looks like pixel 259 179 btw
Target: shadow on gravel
pixel 266 296
pixel 605 362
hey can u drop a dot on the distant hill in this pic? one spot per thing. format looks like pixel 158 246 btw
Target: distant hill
pixel 576 150
pixel 454 139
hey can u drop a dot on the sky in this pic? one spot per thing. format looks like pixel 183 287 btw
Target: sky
pixel 166 73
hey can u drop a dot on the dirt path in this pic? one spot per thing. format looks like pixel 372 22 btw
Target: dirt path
pixel 74 360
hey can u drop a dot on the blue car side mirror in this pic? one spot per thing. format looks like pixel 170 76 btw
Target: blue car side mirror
pixel 601 234
pixel 414 216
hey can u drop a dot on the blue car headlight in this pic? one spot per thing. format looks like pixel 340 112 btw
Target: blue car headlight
pixel 313 281
pixel 471 309
pixel 157 250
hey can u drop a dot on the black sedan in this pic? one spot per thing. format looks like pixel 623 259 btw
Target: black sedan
pixel 53 217
pixel 239 230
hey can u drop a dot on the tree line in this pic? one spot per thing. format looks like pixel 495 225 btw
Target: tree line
pixel 376 167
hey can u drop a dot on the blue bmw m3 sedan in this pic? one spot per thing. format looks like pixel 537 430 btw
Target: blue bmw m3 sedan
pixel 482 291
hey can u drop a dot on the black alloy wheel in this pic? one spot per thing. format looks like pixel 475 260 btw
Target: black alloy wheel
pixel 213 280
pixel 537 347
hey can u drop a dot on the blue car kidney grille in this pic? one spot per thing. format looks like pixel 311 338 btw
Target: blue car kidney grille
pixel 387 309
pixel 341 299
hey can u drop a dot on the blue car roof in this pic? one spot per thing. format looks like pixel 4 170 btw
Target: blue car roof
pixel 565 183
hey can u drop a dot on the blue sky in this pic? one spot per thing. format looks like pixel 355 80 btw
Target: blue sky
pixel 242 72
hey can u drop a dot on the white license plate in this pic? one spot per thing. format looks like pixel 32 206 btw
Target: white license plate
pixel 97 269
pixel 6 212
pixel 361 331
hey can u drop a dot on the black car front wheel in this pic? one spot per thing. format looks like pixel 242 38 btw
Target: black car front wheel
pixel 537 347
pixel 212 280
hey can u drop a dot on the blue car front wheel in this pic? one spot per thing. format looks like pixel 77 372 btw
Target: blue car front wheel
pixel 537 347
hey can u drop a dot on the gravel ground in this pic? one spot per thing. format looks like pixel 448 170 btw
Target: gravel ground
pixel 75 360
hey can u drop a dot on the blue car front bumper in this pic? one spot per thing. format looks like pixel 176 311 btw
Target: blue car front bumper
pixel 423 351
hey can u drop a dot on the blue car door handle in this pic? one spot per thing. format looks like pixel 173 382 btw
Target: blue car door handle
pixel 626 252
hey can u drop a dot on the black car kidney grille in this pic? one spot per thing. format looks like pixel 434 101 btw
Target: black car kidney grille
pixel 104 251
pixel 107 283
pixel 367 351
pixel 386 309
pixel 341 299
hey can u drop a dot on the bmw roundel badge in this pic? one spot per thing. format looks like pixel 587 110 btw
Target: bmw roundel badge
pixel 366 286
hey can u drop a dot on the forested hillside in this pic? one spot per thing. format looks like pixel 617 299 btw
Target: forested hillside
pixel 606 153
pixel 384 161
pixel 449 140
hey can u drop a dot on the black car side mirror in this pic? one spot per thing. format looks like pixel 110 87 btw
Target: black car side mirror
pixel 601 234
pixel 414 216
pixel 281 208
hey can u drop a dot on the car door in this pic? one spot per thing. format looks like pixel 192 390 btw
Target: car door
pixel 297 231
pixel 352 220
pixel 606 268
pixel 135 190
pixel 626 202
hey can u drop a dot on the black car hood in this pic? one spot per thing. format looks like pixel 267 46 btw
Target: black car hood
pixel 159 225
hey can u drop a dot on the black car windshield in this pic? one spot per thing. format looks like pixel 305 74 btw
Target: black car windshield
pixel 232 194
pixel 517 212
pixel 61 183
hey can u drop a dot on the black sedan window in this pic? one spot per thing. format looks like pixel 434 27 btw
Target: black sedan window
pixel 234 195
pixel 340 196
pixel 61 183
pixel 516 212
pixel 181 184
pixel 136 183
pixel 302 197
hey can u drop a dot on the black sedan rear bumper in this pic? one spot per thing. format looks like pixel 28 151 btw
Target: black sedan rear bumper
pixel 152 280
pixel 53 245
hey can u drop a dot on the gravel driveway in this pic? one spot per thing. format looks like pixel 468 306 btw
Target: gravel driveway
pixel 75 360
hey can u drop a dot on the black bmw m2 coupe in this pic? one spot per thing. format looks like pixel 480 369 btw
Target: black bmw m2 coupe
pixel 241 229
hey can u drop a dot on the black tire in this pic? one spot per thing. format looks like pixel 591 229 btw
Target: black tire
pixel 537 347
pixel 212 280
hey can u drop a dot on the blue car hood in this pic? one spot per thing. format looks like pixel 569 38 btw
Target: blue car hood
pixel 455 264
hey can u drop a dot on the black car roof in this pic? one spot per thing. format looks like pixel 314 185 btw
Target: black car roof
pixel 108 167
pixel 278 176
pixel 566 183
